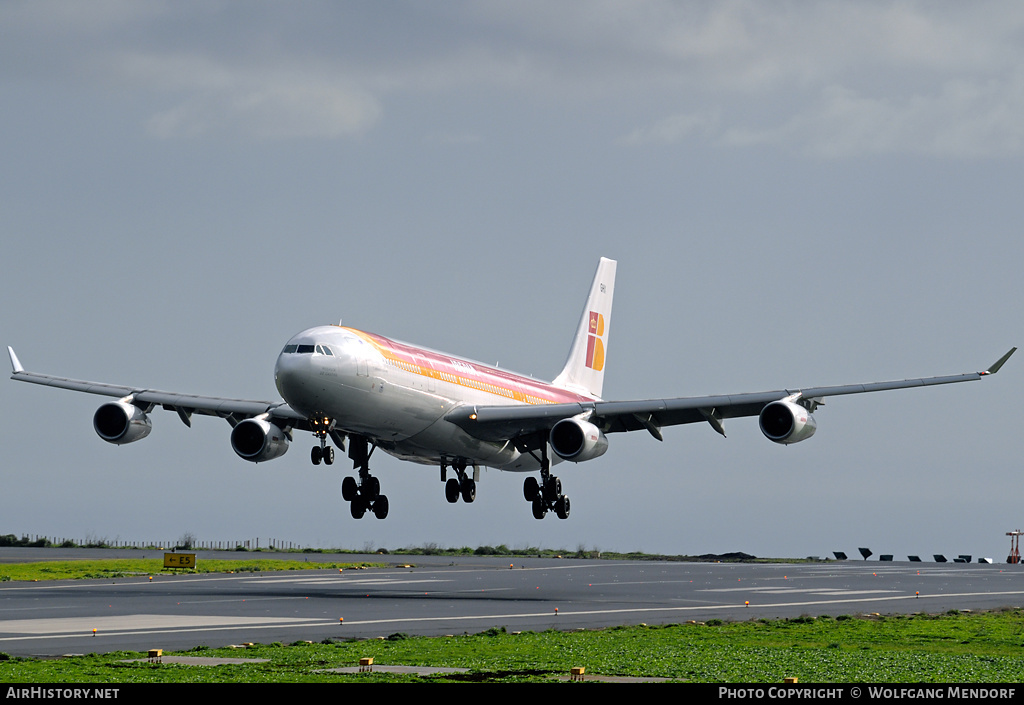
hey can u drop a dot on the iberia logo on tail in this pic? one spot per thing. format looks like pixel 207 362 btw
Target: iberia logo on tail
pixel 595 342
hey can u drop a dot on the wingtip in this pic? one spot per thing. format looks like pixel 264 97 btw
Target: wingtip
pixel 15 363
pixel 1000 362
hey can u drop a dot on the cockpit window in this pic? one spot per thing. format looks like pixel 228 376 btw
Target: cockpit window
pixel 308 349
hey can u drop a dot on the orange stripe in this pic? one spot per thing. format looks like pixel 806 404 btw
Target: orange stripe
pixel 486 379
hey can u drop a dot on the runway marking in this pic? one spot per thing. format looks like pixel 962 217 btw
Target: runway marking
pixel 623 583
pixel 771 590
pixel 162 580
pixel 132 623
pixel 330 580
pixel 235 600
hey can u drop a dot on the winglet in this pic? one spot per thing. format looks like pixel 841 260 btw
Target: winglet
pixel 990 371
pixel 15 363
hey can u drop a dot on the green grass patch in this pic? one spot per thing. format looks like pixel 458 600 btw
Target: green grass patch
pixel 961 648
pixel 120 568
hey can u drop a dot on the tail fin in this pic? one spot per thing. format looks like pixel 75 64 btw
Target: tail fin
pixel 584 370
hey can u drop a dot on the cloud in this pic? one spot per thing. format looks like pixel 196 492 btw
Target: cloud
pixel 830 79
pixel 848 80
pixel 676 128
pixel 271 110
pixel 216 97
pixel 962 119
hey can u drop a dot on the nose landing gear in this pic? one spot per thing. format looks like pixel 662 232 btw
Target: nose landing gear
pixel 323 453
pixel 321 427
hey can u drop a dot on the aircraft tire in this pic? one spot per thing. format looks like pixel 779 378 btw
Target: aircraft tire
pixel 562 507
pixel 380 507
pixel 358 508
pixel 552 489
pixel 468 489
pixel 349 489
pixel 371 489
pixel 451 490
pixel 531 489
pixel 328 455
pixel 539 509
pixel 316 455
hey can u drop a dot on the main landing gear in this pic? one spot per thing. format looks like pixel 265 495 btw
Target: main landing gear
pixel 546 495
pixel 363 495
pixel 464 486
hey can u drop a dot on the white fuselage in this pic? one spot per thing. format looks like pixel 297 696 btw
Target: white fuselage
pixel 397 394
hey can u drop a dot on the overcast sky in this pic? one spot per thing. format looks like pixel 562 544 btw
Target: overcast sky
pixel 796 193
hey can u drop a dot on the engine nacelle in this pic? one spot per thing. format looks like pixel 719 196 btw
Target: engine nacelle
pixel 119 422
pixel 786 422
pixel 577 440
pixel 258 440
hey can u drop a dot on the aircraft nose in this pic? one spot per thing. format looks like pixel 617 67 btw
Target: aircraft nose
pixel 287 373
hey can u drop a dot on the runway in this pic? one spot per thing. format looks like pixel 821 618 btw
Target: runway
pixel 438 596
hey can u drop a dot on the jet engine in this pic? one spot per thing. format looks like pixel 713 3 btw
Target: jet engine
pixel 577 440
pixel 786 422
pixel 258 440
pixel 119 422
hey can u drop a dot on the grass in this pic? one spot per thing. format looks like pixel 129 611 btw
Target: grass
pixel 954 647
pixel 119 568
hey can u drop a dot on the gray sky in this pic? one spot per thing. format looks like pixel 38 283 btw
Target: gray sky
pixel 797 194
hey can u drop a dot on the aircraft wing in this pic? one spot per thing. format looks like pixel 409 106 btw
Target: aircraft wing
pixel 496 423
pixel 185 405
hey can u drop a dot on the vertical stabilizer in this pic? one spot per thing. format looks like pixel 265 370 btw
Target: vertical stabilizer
pixel 584 370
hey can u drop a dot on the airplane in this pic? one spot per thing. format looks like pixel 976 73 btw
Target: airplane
pixel 366 391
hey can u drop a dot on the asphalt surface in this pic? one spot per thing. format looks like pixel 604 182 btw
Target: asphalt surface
pixel 438 596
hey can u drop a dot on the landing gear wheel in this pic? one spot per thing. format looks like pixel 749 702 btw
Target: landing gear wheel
pixel 328 453
pixel 468 488
pixel 370 489
pixel 531 489
pixel 451 490
pixel 358 508
pixel 552 489
pixel 380 507
pixel 316 455
pixel 349 489
pixel 562 507
pixel 539 509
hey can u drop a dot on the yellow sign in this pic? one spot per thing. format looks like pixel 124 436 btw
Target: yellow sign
pixel 179 560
